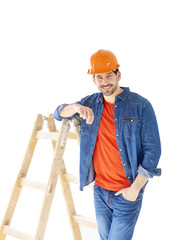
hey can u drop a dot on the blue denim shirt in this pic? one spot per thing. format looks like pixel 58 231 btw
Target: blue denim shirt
pixel 136 132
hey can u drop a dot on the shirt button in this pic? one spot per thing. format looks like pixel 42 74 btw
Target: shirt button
pixel 116 119
pixel 115 106
pixel 124 164
pixel 117 135
pixel 120 149
pixel 128 177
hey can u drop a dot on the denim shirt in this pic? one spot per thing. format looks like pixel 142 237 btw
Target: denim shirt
pixel 136 132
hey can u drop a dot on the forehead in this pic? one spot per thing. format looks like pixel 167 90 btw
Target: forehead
pixel 104 74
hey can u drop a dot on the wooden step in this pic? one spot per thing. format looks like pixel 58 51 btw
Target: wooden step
pixel 70 178
pixel 85 220
pixel 54 135
pixel 74 179
pixel 47 135
pixel 15 233
pixel 32 184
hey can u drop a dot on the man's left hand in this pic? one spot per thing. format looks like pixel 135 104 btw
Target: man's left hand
pixel 129 194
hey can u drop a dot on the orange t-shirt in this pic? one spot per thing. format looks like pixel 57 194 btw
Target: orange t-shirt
pixel 109 170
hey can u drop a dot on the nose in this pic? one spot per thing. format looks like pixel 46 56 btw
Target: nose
pixel 104 81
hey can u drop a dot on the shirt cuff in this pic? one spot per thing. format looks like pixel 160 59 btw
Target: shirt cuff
pixel 56 114
pixel 149 174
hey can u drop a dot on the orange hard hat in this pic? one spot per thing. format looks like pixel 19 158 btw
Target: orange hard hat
pixel 103 61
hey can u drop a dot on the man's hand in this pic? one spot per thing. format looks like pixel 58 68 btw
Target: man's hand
pixel 129 194
pixel 85 113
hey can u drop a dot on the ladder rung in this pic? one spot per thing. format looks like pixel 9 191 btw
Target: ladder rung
pixel 32 184
pixel 71 178
pixel 47 135
pixel 74 179
pixel 85 220
pixel 17 234
pixel 54 135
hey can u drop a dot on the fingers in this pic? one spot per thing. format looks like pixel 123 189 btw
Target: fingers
pixel 87 113
pixel 118 193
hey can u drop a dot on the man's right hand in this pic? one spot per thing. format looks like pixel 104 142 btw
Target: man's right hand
pixel 85 113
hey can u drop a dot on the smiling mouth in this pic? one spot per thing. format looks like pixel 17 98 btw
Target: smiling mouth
pixel 107 86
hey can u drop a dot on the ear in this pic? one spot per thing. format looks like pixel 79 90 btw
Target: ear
pixel 94 79
pixel 119 75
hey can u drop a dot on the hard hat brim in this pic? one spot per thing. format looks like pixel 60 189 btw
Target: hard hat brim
pixel 91 72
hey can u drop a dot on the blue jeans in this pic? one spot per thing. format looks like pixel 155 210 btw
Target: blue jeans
pixel 116 217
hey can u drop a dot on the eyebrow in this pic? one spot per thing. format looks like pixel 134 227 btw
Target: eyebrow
pixel 98 75
pixel 109 73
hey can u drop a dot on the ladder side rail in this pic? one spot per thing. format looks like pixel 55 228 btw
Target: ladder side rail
pixel 22 173
pixel 70 204
pixel 66 188
pixel 77 127
pixel 55 171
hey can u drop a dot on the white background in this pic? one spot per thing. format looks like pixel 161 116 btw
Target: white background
pixel 45 48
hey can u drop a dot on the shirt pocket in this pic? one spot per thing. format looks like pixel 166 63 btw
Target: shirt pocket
pixel 132 127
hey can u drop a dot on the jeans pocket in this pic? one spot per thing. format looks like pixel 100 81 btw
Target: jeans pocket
pixel 138 198
pixel 126 199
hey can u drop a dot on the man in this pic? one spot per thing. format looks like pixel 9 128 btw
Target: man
pixel 119 149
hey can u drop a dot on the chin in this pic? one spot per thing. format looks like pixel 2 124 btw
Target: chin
pixel 108 93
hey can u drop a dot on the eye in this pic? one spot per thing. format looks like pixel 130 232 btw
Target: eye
pixel 98 78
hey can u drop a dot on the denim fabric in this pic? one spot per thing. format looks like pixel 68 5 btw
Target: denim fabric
pixel 116 217
pixel 136 131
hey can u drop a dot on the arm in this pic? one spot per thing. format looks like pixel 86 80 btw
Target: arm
pixel 152 149
pixel 70 110
pixel 151 145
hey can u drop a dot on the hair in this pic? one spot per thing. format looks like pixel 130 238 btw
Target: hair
pixel 114 71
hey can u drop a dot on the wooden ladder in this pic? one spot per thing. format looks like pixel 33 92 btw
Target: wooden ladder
pixel 58 139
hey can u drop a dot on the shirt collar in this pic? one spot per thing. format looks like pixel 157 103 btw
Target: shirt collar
pixel 122 96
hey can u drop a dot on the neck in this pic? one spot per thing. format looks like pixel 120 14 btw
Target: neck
pixel 111 98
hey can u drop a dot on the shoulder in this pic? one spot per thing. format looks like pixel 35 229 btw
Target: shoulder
pixel 137 98
pixel 140 102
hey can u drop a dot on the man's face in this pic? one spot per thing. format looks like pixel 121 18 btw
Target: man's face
pixel 107 83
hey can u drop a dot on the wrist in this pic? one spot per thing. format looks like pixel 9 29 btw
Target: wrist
pixel 139 183
pixel 76 107
pixel 135 188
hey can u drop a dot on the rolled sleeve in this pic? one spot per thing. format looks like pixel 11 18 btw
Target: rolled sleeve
pixel 149 174
pixel 56 114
